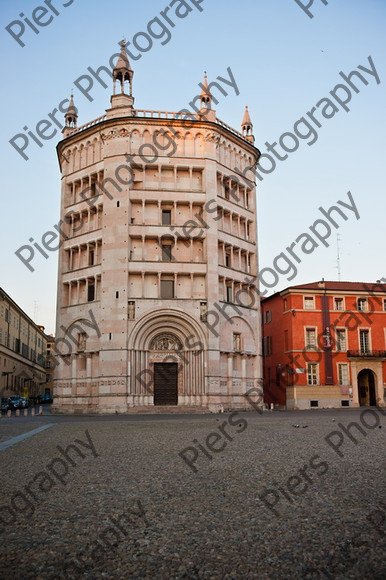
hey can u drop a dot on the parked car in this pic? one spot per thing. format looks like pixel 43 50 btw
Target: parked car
pixel 46 398
pixel 14 402
pixel 4 405
pixel 24 403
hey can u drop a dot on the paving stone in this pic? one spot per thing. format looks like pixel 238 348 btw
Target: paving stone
pixel 209 524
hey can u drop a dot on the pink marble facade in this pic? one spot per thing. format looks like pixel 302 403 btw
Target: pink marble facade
pixel 115 262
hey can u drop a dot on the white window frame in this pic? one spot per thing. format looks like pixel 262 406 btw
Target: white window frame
pixel 341 328
pixel 339 366
pixel 366 302
pixel 359 338
pixel 316 375
pixel 343 304
pixel 306 345
pixel 307 300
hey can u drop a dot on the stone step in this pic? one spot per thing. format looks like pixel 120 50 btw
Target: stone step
pixel 167 410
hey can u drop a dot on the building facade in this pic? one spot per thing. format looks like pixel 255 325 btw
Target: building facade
pixel 50 364
pixel 324 345
pixel 157 302
pixel 22 351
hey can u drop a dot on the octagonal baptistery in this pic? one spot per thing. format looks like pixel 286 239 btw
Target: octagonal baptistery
pixel 157 303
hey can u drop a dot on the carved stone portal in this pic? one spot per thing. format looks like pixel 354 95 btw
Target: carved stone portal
pixel 165 342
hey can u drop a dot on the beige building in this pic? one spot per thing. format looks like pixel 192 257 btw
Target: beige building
pixel 22 351
pixel 158 262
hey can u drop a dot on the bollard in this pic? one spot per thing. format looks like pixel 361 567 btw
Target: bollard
pixel 40 410
pixel 17 413
pixel 272 406
pixel 25 413
pixel 33 412
pixel 9 413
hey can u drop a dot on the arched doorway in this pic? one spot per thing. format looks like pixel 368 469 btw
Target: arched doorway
pixel 366 388
pixel 165 373
pixel 167 360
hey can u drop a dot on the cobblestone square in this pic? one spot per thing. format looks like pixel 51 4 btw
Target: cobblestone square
pixel 125 504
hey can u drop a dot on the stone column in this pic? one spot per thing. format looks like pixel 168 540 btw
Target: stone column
pixel 244 373
pixel 73 374
pixel 230 373
pixel 354 382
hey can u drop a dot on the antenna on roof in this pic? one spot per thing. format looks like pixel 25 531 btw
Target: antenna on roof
pixel 338 238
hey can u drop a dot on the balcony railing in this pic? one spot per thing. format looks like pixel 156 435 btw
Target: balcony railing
pixel 156 115
pixel 366 353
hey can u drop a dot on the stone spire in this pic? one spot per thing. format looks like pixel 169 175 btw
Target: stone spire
pixel 123 72
pixel 71 117
pixel 205 96
pixel 122 103
pixel 247 126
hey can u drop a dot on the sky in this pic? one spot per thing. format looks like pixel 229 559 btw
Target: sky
pixel 284 64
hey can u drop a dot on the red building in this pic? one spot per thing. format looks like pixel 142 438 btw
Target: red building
pixel 324 345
